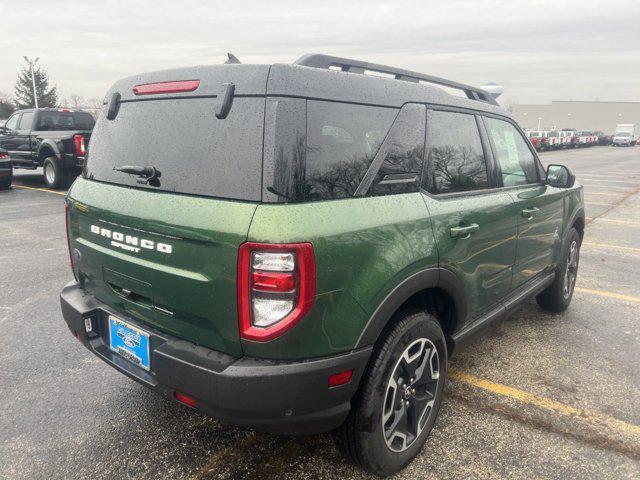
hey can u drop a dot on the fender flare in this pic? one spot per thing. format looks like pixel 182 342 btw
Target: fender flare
pixel 49 144
pixel 428 278
pixel 578 213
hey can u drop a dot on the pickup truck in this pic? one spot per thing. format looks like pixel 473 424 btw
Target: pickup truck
pixel 51 138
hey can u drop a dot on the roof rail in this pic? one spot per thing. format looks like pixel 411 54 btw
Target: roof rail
pixel 316 60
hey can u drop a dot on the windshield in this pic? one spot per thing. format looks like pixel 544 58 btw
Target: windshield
pixel 64 121
pixel 554 134
pixel 535 134
pixel 623 134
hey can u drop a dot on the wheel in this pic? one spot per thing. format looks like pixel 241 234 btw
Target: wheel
pixel 5 183
pixel 399 397
pixel 557 296
pixel 55 176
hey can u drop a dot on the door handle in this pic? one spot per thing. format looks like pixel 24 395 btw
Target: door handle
pixel 530 212
pixel 464 232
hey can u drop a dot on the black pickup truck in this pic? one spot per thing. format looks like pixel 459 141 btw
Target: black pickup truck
pixel 55 139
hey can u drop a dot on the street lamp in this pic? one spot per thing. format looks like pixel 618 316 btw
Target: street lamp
pixel 539 119
pixel 33 78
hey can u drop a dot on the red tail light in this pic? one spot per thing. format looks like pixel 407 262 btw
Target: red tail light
pixel 166 87
pixel 276 288
pixel 66 223
pixel 78 141
pixel 4 155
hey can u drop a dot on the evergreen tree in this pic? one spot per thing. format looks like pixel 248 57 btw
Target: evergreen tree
pixel 47 97
pixel 6 106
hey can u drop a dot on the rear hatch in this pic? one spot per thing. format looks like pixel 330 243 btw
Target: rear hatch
pixel 164 252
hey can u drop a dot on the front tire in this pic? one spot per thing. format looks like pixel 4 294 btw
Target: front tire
pixel 399 398
pixel 557 296
pixel 55 176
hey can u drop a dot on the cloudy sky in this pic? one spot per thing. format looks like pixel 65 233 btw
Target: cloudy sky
pixel 539 50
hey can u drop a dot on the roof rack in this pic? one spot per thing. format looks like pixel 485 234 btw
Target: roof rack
pixel 316 60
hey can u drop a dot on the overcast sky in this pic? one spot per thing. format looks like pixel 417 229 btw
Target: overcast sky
pixel 538 50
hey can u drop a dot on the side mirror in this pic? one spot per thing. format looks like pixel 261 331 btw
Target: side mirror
pixel 560 176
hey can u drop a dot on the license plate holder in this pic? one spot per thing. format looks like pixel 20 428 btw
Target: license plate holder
pixel 130 342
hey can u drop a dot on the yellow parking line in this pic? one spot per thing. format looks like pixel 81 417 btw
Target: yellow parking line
pixel 40 189
pixel 609 187
pixel 601 204
pixel 617 247
pixel 594 418
pixel 623 222
pixel 587 192
pixel 604 293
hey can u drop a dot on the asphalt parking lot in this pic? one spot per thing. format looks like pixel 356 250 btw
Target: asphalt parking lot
pixel 541 396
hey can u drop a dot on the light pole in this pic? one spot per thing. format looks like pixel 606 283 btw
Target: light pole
pixel 33 78
pixel 539 119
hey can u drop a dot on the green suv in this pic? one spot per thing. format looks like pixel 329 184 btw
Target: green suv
pixel 300 248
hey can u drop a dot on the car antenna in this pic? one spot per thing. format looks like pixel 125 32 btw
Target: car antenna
pixel 231 58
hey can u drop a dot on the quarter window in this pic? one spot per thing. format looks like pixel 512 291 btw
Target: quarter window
pixel 517 163
pixel 454 153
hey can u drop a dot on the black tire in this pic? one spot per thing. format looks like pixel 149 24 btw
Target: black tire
pixel 410 343
pixel 557 296
pixel 5 183
pixel 55 176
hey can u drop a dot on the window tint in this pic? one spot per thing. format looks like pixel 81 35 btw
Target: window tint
pixel 195 152
pixel 342 140
pixel 49 120
pixel 12 123
pixel 516 161
pixel 26 121
pixel 455 156
pixel 403 152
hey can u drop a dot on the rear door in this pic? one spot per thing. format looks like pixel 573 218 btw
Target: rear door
pixel 23 152
pixel 474 223
pixel 539 207
pixel 165 253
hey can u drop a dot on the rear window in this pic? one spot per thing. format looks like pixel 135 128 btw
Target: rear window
pixel 64 121
pixel 195 152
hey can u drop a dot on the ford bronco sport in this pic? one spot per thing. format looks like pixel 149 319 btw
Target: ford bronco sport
pixel 300 248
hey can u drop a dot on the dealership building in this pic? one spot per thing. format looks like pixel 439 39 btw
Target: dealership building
pixel 602 116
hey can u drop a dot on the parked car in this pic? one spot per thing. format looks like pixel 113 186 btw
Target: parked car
pixel 623 139
pixel 538 139
pixel 606 140
pixel 554 139
pixel 6 172
pixel 626 134
pixel 288 247
pixel 55 139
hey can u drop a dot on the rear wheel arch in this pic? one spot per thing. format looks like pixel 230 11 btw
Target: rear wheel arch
pixel 434 290
pixel 45 152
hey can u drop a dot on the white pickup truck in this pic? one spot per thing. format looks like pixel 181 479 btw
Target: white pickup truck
pixel 626 135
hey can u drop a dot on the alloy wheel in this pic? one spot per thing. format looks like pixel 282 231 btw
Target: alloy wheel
pixel 410 394
pixel 571 272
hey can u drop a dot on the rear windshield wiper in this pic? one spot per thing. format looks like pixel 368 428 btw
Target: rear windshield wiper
pixel 150 174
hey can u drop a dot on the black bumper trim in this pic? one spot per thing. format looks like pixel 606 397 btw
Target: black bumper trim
pixel 278 396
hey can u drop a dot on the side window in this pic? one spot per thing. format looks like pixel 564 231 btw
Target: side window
pixel 25 121
pixel 342 140
pixel 516 161
pixel 403 151
pixel 454 153
pixel 12 123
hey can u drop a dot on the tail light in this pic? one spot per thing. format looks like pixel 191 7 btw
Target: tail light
pixel 78 141
pixel 276 288
pixel 4 155
pixel 66 223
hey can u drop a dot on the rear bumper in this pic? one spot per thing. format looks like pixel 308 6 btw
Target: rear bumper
pixel 70 160
pixel 282 397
